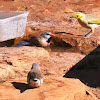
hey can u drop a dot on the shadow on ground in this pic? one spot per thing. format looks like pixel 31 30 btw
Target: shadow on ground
pixel 88 69
pixel 21 86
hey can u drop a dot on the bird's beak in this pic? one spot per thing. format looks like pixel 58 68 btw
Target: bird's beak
pixel 72 17
pixel 52 34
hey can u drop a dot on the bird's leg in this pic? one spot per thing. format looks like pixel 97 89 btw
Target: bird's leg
pixel 88 34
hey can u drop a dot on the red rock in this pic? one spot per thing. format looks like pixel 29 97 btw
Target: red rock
pixel 53 88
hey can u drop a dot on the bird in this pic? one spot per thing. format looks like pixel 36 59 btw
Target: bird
pixel 35 76
pixel 87 21
pixel 42 40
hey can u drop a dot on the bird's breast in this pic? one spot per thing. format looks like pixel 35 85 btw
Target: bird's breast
pixel 83 23
pixel 43 42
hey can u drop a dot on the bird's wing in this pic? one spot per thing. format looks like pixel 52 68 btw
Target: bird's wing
pixel 31 75
pixel 35 73
pixel 34 41
pixel 94 21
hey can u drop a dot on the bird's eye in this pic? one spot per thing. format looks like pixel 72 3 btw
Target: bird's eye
pixel 77 16
pixel 48 34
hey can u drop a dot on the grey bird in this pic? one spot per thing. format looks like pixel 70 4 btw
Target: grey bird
pixel 42 40
pixel 35 76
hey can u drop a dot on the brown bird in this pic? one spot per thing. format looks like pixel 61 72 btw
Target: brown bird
pixel 42 40
pixel 35 76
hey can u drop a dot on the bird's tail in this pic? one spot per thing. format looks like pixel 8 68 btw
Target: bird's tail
pixel 23 44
